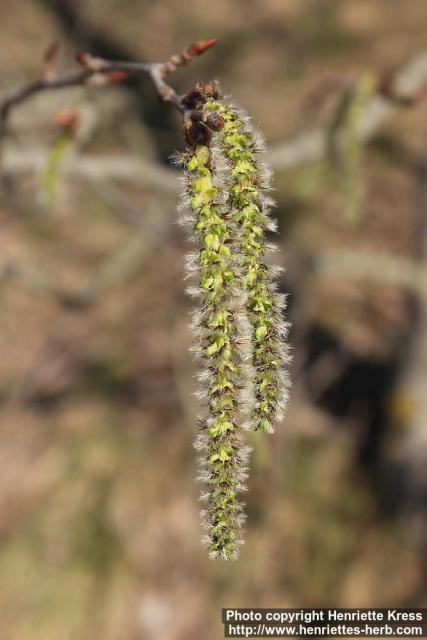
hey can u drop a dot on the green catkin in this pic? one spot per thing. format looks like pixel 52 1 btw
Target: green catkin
pixel 217 325
pixel 353 147
pixel 246 183
pixel 51 174
pixel 239 330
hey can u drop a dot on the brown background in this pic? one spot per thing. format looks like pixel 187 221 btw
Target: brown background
pixel 99 516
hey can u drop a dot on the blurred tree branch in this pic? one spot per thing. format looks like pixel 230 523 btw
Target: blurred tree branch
pixel 95 167
pixel 403 89
pixel 385 269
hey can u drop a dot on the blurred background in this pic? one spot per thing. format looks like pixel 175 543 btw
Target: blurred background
pixel 99 519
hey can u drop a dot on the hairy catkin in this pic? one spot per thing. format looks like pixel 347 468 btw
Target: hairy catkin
pixel 238 327
pixel 217 326
pixel 247 182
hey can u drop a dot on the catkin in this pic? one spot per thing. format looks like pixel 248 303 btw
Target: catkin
pixel 239 332
pixel 247 183
pixel 217 329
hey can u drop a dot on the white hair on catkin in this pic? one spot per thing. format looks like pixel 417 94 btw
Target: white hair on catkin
pixel 248 181
pixel 218 327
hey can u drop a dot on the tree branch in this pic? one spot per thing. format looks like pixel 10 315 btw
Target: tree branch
pixel 403 89
pixel 88 167
pixel 98 72
pixel 374 266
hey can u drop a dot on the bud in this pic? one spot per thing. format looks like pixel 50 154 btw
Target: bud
pixel 199 47
pixel 215 122
pixel 89 62
pixel 117 77
pixel 196 133
pixel 68 120
pixel 50 60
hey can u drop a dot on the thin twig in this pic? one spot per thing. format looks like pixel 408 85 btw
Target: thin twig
pixel 98 71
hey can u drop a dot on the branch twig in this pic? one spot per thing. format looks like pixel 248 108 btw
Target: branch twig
pixel 408 82
pixel 97 71
pixel 376 267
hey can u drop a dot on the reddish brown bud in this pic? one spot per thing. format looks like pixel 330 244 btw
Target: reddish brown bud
pixel 215 121
pixel 115 77
pixel 199 47
pixel 50 61
pixel 68 120
pixel 196 132
pixel 202 92
pixel 209 89
pixel 81 57
pixel 387 88
pixel 89 62
pixel 51 53
pixel 194 99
